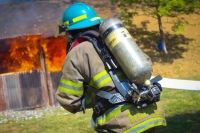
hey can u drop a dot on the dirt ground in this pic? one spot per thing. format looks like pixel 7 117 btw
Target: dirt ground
pixel 182 61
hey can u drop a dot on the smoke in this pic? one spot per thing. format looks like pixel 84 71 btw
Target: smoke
pixel 18 23
pixel 4 51
pixel 30 18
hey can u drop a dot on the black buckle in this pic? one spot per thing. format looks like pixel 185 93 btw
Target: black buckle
pixel 97 110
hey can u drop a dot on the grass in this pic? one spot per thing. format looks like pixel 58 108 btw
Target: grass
pixel 56 123
pixel 181 107
pixel 182 111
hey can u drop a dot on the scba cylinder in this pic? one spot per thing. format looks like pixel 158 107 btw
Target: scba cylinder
pixel 134 62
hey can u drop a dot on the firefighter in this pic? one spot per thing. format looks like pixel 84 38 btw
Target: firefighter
pixel 83 67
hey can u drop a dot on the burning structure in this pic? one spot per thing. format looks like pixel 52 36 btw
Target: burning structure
pixel 28 65
pixel 30 56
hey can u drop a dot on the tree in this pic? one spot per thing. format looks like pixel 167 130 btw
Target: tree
pixel 158 9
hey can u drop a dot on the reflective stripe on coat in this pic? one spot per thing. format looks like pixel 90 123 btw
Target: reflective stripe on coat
pixel 83 65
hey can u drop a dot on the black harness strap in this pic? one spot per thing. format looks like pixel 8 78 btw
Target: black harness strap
pixel 117 83
pixel 156 79
pixel 112 66
pixel 103 52
pixel 106 58
pixel 112 98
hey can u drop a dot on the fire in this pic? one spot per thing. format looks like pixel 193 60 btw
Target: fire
pixel 55 52
pixel 22 53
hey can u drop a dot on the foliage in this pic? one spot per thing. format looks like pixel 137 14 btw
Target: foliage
pixel 165 8
pixel 156 7
pixel 179 25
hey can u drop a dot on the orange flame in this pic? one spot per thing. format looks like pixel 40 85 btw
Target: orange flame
pixel 21 54
pixel 55 51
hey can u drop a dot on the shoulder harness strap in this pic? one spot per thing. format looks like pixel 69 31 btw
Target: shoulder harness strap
pixel 103 52
pixel 111 66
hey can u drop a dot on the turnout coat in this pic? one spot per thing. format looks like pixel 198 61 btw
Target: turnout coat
pixel 84 66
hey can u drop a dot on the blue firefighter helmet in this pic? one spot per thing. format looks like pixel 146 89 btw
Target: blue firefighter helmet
pixel 80 15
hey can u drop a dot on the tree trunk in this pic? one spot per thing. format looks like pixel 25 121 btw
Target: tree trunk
pixel 162 35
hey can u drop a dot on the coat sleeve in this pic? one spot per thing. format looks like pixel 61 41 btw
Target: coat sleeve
pixel 80 66
pixel 70 89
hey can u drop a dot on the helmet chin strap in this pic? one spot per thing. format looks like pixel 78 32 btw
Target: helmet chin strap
pixel 68 36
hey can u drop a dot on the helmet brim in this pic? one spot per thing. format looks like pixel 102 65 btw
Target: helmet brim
pixel 84 24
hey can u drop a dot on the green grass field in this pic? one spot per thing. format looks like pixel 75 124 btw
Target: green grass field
pixel 181 107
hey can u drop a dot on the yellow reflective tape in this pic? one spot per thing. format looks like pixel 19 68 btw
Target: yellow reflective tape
pixel 95 18
pixel 79 18
pixel 66 23
pixel 103 82
pixel 89 100
pixel 70 91
pixel 99 85
pixel 112 113
pixel 96 77
pixel 157 121
pixel 93 80
pixel 71 83
pixel 89 96
pixel 134 114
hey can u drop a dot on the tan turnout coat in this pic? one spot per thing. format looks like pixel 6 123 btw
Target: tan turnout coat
pixel 83 65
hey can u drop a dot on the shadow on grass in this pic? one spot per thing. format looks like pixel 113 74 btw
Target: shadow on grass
pixel 182 123
pixel 176 43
